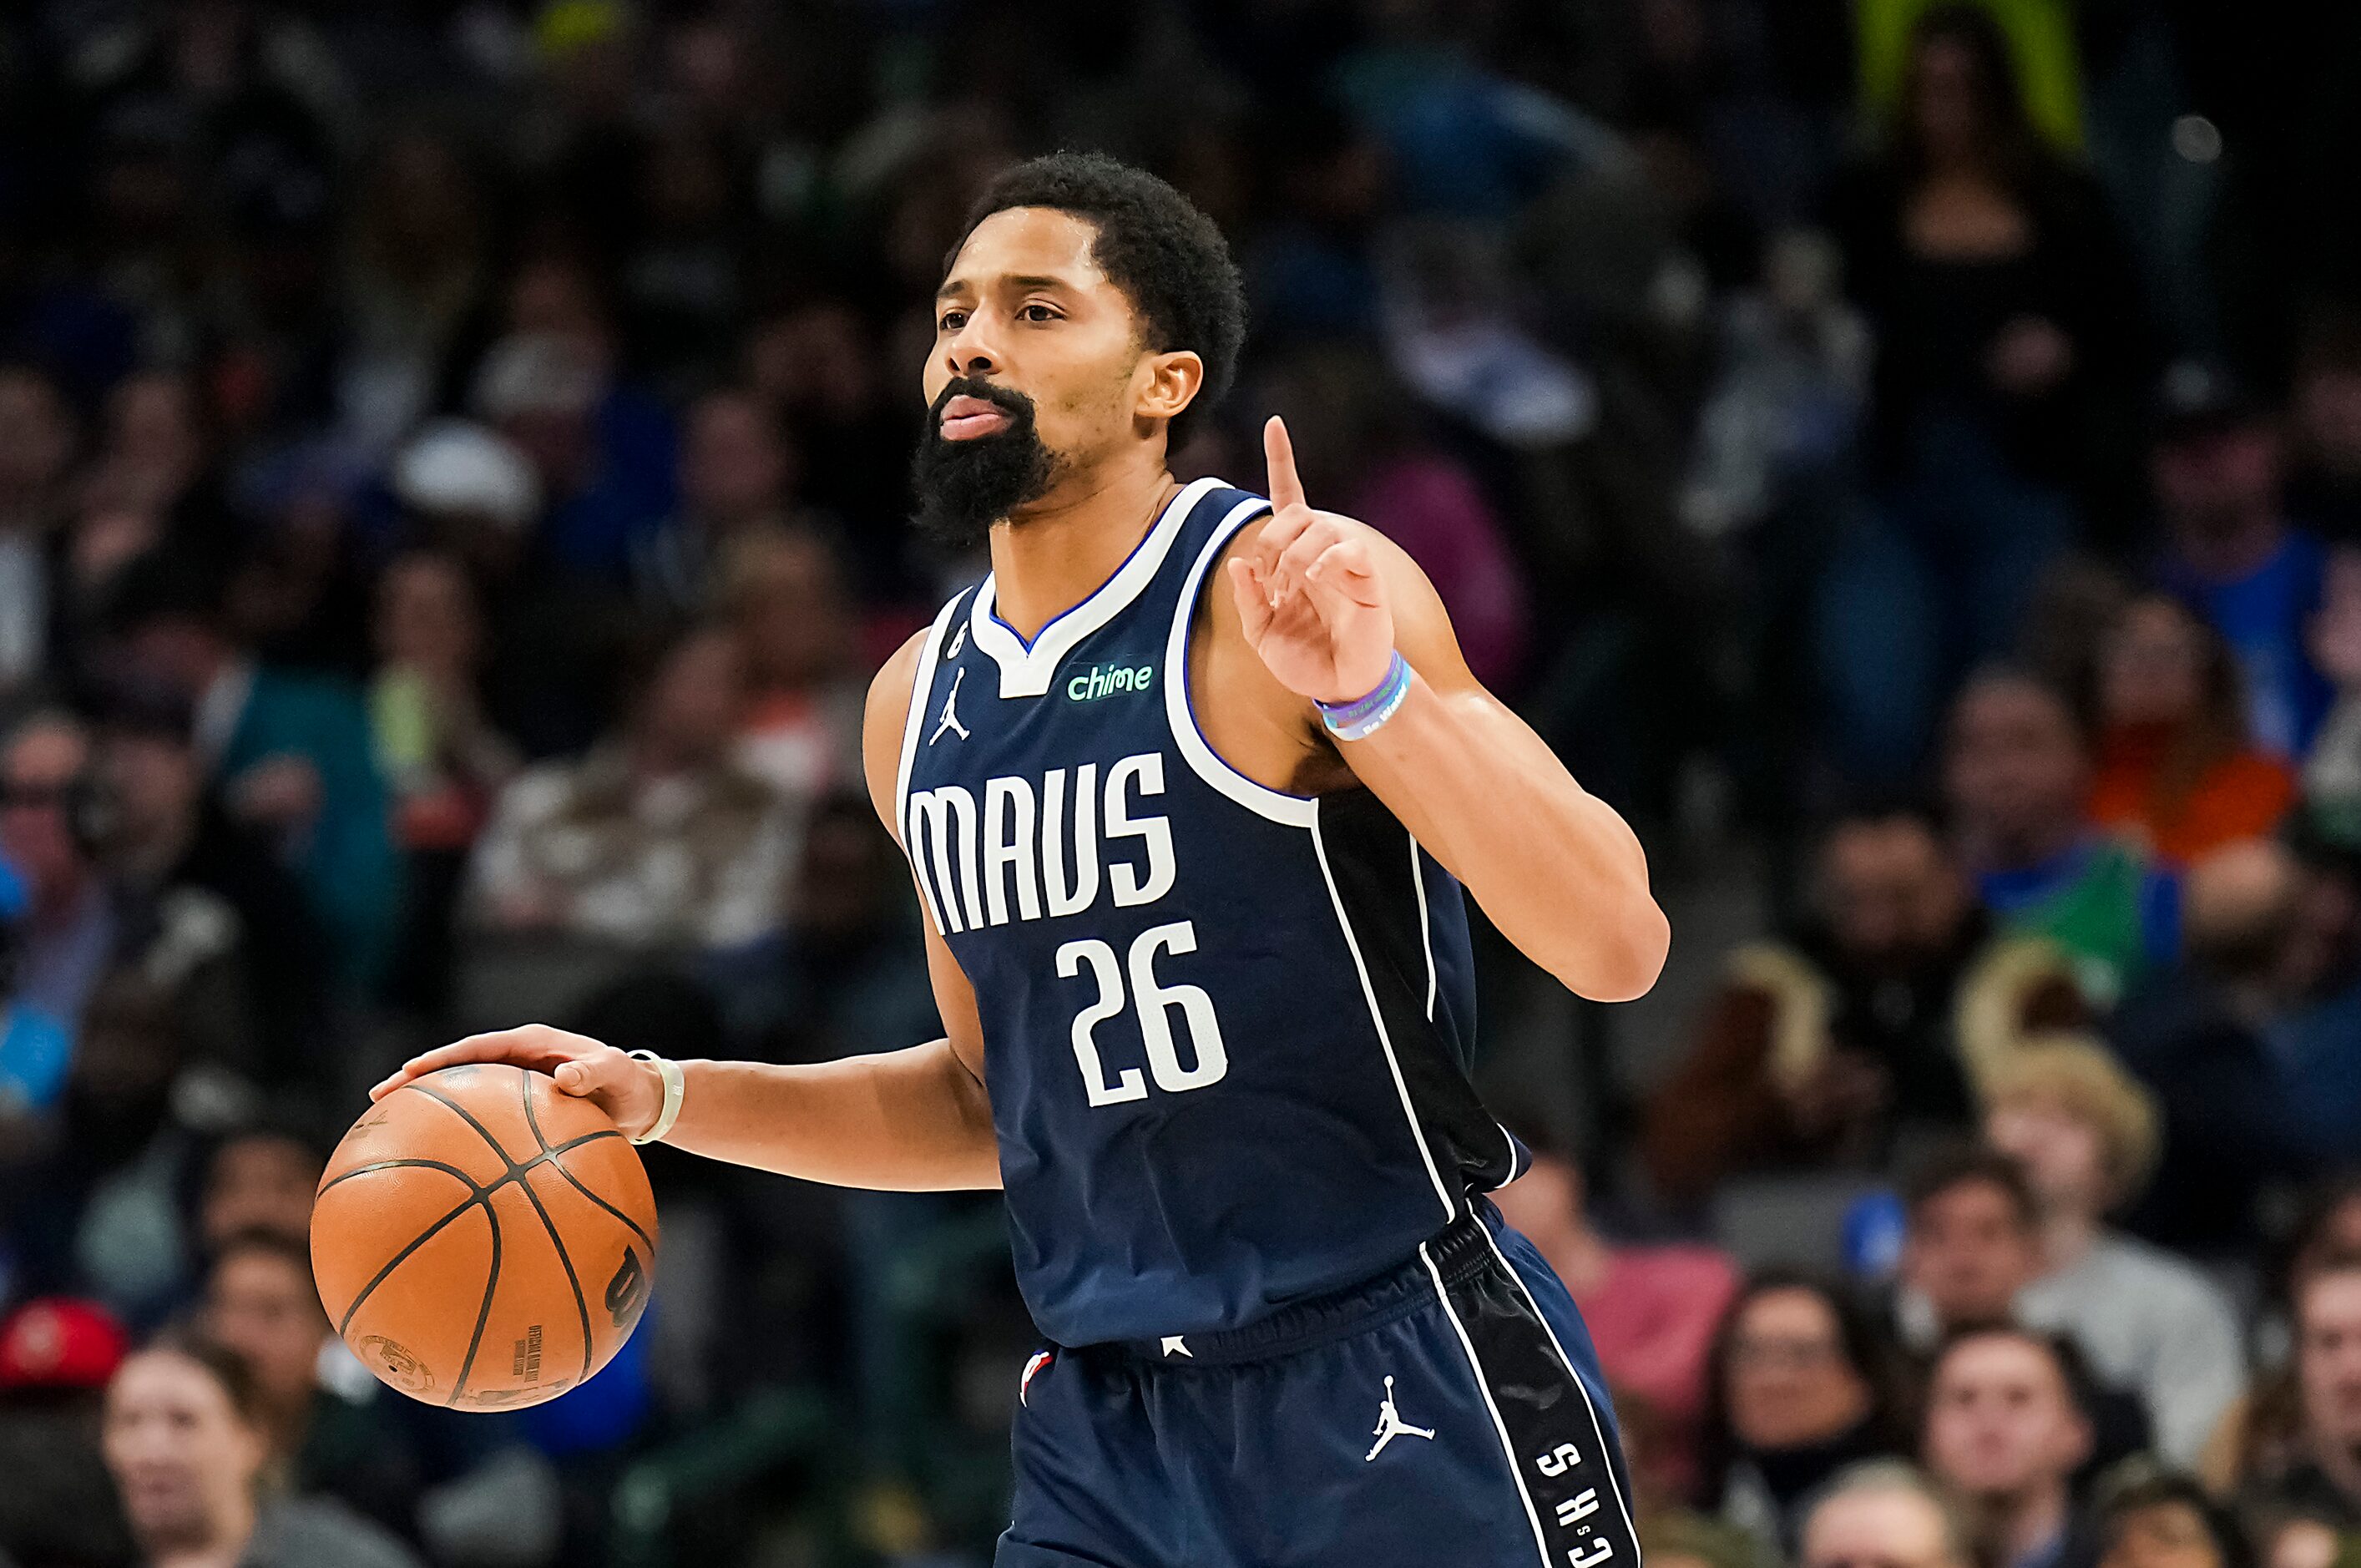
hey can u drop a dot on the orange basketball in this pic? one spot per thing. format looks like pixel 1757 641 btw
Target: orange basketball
pixel 482 1241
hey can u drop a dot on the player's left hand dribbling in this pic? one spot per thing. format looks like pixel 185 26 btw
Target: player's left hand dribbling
pixel 1308 591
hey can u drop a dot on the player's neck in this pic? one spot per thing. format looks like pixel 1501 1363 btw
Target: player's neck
pixel 1058 551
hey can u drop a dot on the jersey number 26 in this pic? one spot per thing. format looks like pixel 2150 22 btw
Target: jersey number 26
pixel 1154 1004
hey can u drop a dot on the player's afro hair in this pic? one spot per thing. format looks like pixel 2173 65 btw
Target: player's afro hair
pixel 1154 244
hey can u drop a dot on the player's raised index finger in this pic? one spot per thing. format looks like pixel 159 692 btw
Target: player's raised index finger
pixel 1286 488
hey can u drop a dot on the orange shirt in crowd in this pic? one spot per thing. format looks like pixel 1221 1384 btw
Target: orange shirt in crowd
pixel 2242 796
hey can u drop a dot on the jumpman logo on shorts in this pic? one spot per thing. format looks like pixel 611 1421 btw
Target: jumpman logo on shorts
pixel 1390 1425
pixel 950 720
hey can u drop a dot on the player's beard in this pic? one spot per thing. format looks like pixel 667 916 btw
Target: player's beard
pixel 965 486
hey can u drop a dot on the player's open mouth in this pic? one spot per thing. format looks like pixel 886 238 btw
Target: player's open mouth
pixel 965 418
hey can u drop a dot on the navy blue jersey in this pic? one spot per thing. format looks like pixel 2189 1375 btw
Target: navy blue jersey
pixel 1227 1030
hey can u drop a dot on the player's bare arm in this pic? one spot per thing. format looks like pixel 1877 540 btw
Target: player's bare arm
pixel 1322 603
pixel 914 1120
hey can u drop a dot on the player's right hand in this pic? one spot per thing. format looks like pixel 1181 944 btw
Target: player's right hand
pixel 631 1092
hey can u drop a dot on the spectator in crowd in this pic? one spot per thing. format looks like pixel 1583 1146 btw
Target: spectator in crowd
pixel 1800 1385
pixel 2007 1428
pixel 36 1050
pixel 203 900
pixel 2332 773
pixel 2270 941
pixel 1878 1014
pixel 2296 1453
pixel 2329 1224
pixel 97 1210
pixel 470 495
pixel 818 367
pixel 2317 984
pixel 1652 1310
pixel 1778 427
pixel 2323 489
pixel 1311 268
pixel 849 981
pixel 2149 1517
pixel 2017 772
pixel 738 475
pixel 2086 1134
pixel 185 1438
pixel 443 760
pixel 658 837
pixel 2230 550
pixel 326 1420
pixel 2002 307
pixel 2174 766
pixel 1886 1512
pixel 290 753
pixel 1680 1538
pixel 259 1304
pixel 1972 1243
pixel 416 269
pixel 57 1355
pixel 36 446
pixel 786 594
pixel 155 457
pixel 259 1182
pixel 602 449
pixel 69 927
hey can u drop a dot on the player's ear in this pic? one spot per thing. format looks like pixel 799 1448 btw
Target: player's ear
pixel 1168 382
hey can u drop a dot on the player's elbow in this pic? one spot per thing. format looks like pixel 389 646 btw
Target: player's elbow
pixel 1619 958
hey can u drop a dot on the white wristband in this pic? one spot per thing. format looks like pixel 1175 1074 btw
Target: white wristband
pixel 675 1085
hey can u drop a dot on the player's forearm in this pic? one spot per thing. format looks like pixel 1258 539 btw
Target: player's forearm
pixel 911 1121
pixel 1555 868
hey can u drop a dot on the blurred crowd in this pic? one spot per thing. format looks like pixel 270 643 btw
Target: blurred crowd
pixel 453 464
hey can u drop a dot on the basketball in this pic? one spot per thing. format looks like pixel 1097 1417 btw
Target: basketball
pixel 483 1241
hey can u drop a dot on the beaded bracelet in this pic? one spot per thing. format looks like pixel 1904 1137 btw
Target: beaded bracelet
pixel 1361 717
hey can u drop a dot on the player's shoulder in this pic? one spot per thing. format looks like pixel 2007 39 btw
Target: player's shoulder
pixel 884 716
pixel 889 688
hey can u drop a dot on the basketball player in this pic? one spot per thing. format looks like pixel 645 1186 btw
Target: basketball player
pixel 1189 785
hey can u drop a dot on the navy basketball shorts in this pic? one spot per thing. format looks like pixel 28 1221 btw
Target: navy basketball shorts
pixel 1449 1412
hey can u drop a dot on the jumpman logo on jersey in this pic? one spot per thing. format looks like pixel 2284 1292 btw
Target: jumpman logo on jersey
pixel 1390 1425
pixel 950 720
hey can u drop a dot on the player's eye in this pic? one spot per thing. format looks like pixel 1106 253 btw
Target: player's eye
pixel 1037 312
pixel 950 321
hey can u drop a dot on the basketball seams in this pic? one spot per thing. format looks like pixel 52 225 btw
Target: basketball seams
pixel 467 1116
pixel 576 1183
pixel 549 1155
pixel 491 1288
pixel 428 1234
pixel 472 1185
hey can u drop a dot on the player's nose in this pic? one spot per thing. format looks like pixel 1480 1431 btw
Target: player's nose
pixel 971 351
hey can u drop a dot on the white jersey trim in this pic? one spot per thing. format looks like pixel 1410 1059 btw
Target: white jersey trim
pixel 1484 1386
pixel 1029 671
pixel 922 688
pixel 1597 1426
pixel 1294 810
pixel 1425 936
pixel 1377 1018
